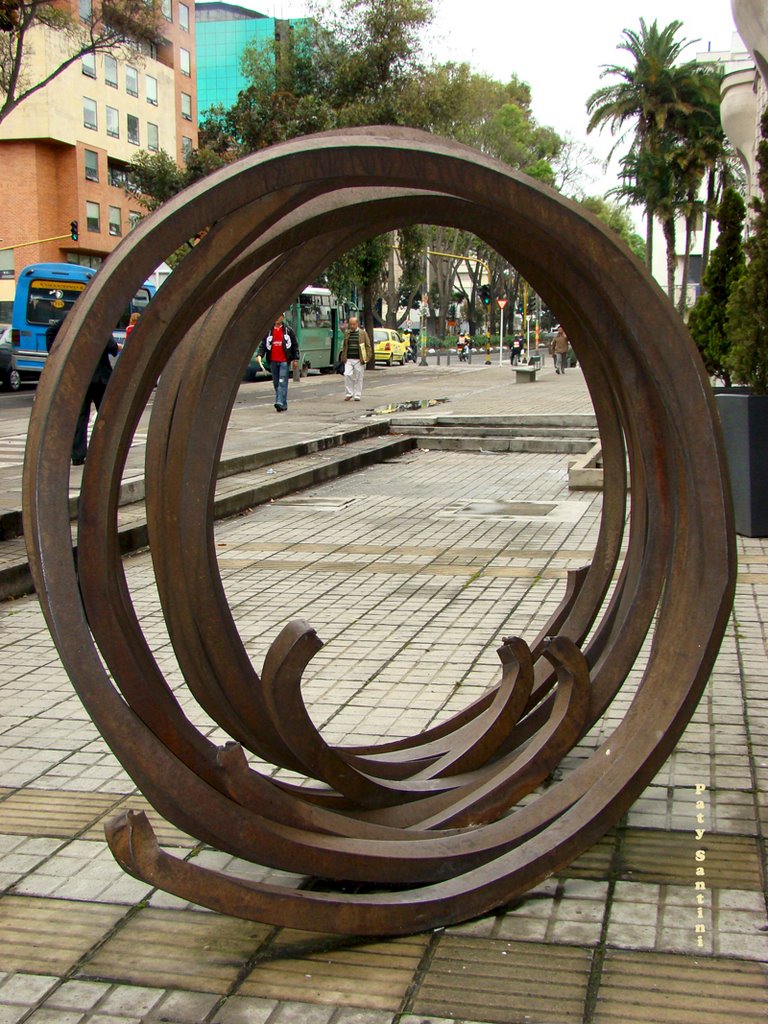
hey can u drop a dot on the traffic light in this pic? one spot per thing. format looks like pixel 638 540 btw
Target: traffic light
pixel 485 294
pixel 73 230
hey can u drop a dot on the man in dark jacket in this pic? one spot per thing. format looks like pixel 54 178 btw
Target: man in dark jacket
pixel 280 350
pixel 94 394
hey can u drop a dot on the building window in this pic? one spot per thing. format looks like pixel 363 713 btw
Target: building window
pixel 152 90
pixel 86 10
pixel 90 117
pixel 88 63
pixel 184 17
pixel 153 136
pixel 92 216
pixel 186 146
pixel 110 70
pixel 186 106
pixel 165 7
pixel 116 174
pixel 6 264
pixel 134 219
pixel 115 227
pixel 184 62
pixel 131 80
pixel 91 165
pixel 84 260
pixel 113 122
pixel 133 129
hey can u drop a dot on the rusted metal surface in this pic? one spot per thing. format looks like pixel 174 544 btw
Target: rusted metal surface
pixel 437 818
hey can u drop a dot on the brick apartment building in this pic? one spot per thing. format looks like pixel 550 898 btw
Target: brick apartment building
pixel 64 151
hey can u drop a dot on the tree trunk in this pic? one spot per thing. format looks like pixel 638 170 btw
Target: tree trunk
pixel 711 195
pixel 668 224
pixel 682 301
pixel 649 218
pixel 392 290
pixel 368 318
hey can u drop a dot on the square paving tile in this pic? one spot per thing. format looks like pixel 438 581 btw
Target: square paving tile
pixel 50 936
pixel 661 988
pixel 375 976
pixel 200 952
pixel 650 855
pixel 504 982
pixel 84 871
pixel 594 863
pixel 167 834
pixel 43 812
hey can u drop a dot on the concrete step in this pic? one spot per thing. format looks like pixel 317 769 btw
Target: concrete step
pixel 441 430
pixel 132 487
pixel 547 445
pixel 530 420
pixel 271 479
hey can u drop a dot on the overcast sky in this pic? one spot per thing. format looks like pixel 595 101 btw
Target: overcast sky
pixel 557 46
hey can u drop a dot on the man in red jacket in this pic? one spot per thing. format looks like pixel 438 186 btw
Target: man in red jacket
pixel 280 350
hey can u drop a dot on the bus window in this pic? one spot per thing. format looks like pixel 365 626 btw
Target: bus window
pixel 49 301
pixel 138 304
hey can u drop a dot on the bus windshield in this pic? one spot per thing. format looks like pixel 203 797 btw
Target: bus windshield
pixel 315 310
pixel 50 301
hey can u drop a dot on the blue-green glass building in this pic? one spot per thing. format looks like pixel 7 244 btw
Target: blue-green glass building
pixel 223 31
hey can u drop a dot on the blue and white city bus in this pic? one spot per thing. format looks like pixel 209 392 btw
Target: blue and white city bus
pixel 45 293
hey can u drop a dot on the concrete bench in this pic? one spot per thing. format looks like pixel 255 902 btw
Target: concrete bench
pixel 525 374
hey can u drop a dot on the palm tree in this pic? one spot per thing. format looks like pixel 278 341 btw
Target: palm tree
pixel 699 155
pixel 653 96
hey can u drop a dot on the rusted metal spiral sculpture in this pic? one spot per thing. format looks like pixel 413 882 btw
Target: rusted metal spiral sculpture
pixel 432 829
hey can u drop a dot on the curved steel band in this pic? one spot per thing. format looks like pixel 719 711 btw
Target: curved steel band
pixel 433 813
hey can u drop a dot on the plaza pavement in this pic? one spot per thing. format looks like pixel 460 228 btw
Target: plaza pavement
pixel 411 594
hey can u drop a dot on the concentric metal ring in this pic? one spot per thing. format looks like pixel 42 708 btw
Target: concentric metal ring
pixel 433 814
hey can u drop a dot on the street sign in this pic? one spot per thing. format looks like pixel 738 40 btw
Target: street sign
pixel 502 303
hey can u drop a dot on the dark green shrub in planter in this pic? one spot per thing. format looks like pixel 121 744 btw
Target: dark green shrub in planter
pixel 708 322
pixel 744 411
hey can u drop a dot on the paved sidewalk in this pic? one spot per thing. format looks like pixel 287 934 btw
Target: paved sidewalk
pixel 411 606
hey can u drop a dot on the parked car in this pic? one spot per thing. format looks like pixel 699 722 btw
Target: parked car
pixel 10 378
pixel 388 346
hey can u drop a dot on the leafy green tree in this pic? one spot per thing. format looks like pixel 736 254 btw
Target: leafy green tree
pixel 653 96
pixel 747 359
pixel 154 178
pixel 617 218
pixel 708 318
pixel 496 118
pixel 699 152
pixel 402 289
pixel 358 65
pixel 112 27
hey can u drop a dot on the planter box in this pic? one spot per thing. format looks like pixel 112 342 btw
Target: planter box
pixel 744 418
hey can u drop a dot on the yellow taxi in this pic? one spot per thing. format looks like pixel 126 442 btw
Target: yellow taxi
pixel 388 346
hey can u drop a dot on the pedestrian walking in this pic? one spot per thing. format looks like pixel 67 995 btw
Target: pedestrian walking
pixel 516 350
pixel 279 349
pixel 131 324
pixel 559 349
pixel 356 351
pixel 93 395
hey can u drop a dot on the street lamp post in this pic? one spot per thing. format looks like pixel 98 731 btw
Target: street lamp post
pixel 501 304
pixel 423 328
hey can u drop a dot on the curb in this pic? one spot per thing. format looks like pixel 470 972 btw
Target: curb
pixel 132 489
pixel 16 580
